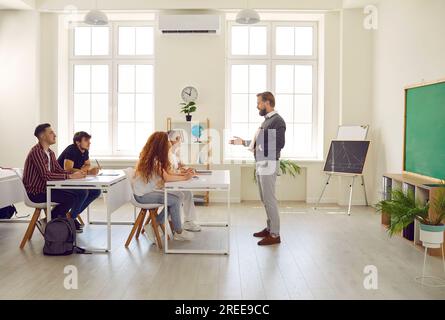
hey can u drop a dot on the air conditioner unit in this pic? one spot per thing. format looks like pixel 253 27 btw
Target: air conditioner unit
pixel 189 24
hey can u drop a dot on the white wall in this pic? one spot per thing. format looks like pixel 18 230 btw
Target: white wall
pixel 19 84
pixel 409 48
pixel 356 90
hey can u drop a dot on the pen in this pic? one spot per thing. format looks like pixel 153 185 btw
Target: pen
pixel 98 165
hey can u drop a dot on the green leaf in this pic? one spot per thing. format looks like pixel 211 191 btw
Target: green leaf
pixel 286 167
pixel 402 209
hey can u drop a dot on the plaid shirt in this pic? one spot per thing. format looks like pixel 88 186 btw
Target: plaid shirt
pixel 36 173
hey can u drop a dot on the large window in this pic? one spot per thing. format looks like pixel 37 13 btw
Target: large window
pixel 111 86
pixel 281 57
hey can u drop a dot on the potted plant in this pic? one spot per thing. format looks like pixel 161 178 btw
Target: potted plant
pixel 286 167
pixel 404 210
pixel 431 229
pixel 188 108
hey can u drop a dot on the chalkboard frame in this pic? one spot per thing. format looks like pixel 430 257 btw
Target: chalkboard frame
pixel 341 173
pixel 413 86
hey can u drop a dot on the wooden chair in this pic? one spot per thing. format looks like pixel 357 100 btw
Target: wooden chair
pixel 140 220
pixel 38 207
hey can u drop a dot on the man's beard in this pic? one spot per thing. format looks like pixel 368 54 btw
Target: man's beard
pixel 263 112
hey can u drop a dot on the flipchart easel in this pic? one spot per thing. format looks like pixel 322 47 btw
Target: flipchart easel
pixel 359 133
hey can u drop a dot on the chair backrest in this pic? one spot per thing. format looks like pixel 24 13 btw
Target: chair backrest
pixel 28 202
pixel 129 174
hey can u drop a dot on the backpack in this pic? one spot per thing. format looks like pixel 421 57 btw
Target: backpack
pixel 7 212
pixel 60 238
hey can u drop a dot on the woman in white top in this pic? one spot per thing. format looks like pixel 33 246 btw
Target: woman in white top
pixel 152 170
pixel 187 196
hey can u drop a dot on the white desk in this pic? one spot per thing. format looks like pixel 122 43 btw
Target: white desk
pixel 113 187
pixel 10 190
pixel 219 180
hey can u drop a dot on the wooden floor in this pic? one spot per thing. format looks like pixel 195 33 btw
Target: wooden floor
pixel 322 256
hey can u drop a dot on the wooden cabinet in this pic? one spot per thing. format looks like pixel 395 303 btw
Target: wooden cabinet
pixel 424 190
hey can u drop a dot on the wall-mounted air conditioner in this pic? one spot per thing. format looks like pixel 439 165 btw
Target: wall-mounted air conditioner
pixel 189 24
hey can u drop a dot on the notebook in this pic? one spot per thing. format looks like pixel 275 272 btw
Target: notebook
pixel 203 171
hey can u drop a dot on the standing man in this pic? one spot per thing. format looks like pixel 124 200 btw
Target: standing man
pixel 41 166
pixel 266 146
pixel 75 158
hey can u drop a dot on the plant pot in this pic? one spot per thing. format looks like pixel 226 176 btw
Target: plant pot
pixel 386 219
pixel 408 232
pixel 188 118
pixel 431 236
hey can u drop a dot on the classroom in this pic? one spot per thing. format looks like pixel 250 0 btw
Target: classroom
pixel 222 150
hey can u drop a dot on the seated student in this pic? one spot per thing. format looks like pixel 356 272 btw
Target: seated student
pixel 76 158
pixel 152 170
pixel 179 168
pixel 41 166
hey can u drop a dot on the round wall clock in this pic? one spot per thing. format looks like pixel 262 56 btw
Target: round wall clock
pixel 189 94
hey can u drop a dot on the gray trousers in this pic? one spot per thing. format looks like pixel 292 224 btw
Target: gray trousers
pixel 266 176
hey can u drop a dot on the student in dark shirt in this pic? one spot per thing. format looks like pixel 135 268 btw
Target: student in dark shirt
pixel 76 158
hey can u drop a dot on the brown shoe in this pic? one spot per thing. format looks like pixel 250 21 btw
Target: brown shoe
pixel 269 240
pixel 262 234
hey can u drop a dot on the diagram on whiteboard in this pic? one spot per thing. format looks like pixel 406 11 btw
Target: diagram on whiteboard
pixel 347 156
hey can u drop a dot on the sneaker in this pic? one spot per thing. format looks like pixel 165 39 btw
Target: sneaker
pixel 150 233
pixel 191 226
pixel 41 225
pixel 78 225
pixel 183 236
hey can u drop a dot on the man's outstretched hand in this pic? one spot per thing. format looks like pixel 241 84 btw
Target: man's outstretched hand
pixel 236 141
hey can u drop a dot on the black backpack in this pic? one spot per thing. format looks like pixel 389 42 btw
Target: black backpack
pixel 60 238
pixel 7 212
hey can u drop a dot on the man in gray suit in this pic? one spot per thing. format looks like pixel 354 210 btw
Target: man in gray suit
pixel 266 146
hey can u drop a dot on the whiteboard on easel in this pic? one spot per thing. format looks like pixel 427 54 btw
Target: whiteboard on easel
pixel 352 133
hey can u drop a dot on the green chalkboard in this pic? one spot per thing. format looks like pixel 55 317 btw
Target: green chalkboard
pixel 425 130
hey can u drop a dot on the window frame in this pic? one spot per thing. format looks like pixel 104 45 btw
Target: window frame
pixel 115 32
pixel 315 92
pixel 243 56
pixel 71 94
pixel 112 60
pixel 315 46
pixel 115 106
pixel 71 44
pixel 272 60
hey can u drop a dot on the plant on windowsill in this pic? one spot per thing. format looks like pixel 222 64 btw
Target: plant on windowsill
pixel 188 108
pixel 403 210
pixel 286 167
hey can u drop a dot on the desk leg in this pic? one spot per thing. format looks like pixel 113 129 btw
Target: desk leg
pixel 88 215
pixel 108 226
pixel 48 203
pixel 228 220
pixel 166 222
